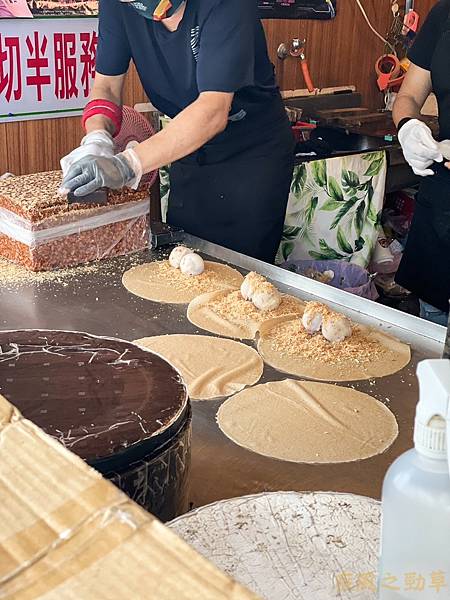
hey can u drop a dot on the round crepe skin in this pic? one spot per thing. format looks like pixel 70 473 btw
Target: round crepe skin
pixel 211 367
pixel 396 357
pixel 203 316
pixel 159 282
pixel 308 422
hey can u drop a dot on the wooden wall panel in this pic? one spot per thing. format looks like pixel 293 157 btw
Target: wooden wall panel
pixel 340 52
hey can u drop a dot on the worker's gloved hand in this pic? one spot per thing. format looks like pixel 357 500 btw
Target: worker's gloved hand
pixel 444 147
pixel 96 143
pixel 92 173
pixel 420 149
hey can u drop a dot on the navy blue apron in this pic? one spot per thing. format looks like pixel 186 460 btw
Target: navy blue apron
pixel 234 191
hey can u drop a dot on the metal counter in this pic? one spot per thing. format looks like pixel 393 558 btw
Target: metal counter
pixel 97 303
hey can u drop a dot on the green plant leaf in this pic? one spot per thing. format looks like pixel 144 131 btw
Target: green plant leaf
pixel 319 172
pixel 311 209
pixel 299 179
pixel 291 233
pixel 373 155
pixel 370 192
pixel 379 218
pixel 343 211
pixel 359 244
pixel 350 180
pixel 359 218
pixel 372 215
pixel 287 249
pixel 329 252
pixel 331 205
pixel 334 190
pixel 375 167
pixel 343 242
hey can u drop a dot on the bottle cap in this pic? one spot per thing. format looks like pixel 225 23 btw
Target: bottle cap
pixel 433 410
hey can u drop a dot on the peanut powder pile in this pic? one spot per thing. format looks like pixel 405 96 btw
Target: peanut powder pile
pixel 232 306
pixel 291 338
pixel 160 282
pixel 319 308
pixel 367 354
pixel 178 280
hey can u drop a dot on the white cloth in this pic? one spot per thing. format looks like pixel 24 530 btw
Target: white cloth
pixel 444 147
pixel 420 149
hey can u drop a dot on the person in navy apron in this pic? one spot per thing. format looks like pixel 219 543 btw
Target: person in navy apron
pixel 205 64
pixel 425 267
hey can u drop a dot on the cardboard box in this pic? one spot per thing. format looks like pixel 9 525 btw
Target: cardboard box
pixel 67 533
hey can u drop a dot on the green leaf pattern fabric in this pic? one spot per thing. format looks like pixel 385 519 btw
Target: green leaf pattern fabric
pixel 334 209
pixel 164 183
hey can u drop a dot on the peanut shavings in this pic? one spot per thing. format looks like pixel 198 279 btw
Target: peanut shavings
pixel 13 276
pixel 291 339
pixel 234 308
pixel 202 283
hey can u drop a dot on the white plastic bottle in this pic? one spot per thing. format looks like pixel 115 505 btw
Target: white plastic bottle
pixel 415 541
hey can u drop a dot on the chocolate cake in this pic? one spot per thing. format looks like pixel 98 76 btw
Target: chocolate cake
pixel 41 231
pixel 121 408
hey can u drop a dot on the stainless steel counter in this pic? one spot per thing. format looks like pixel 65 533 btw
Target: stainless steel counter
pixel 97 303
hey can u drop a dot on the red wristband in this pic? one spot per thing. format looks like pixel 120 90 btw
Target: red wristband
pixel 107 109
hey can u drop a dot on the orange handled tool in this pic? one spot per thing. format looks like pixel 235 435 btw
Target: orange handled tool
pixel 390 72
pixel 411 21
pixel 307 75
pixel 297 51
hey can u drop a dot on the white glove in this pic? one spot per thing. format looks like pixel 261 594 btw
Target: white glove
pixel 444 147
pixel 96 143
pixel 420 149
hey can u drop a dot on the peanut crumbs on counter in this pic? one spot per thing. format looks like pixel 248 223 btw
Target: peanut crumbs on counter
pixel 13 276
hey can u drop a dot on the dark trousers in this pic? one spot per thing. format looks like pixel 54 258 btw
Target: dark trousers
pixel 425 267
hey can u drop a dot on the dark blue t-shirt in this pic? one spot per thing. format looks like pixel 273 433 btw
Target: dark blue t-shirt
pixel 219 46
pixel 421 53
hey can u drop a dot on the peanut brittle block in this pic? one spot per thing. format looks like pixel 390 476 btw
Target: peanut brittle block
pixel 41 231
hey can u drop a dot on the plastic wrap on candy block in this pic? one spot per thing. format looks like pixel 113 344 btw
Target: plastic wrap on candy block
pixel 40 230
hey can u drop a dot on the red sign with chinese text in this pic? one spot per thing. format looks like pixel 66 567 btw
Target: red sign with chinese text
pixel 46 67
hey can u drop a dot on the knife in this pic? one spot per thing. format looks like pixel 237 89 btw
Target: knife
pixel 99 197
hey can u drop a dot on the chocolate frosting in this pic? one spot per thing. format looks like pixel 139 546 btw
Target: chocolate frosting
pixel 97 396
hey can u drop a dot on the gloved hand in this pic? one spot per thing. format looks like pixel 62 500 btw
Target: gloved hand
pixel 92 173
pixel 420 149
pixel 96 143
pixel 444 147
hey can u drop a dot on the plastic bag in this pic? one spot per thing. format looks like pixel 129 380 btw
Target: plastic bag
pixel 347 276
pixel 76 237
pixel 31 234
